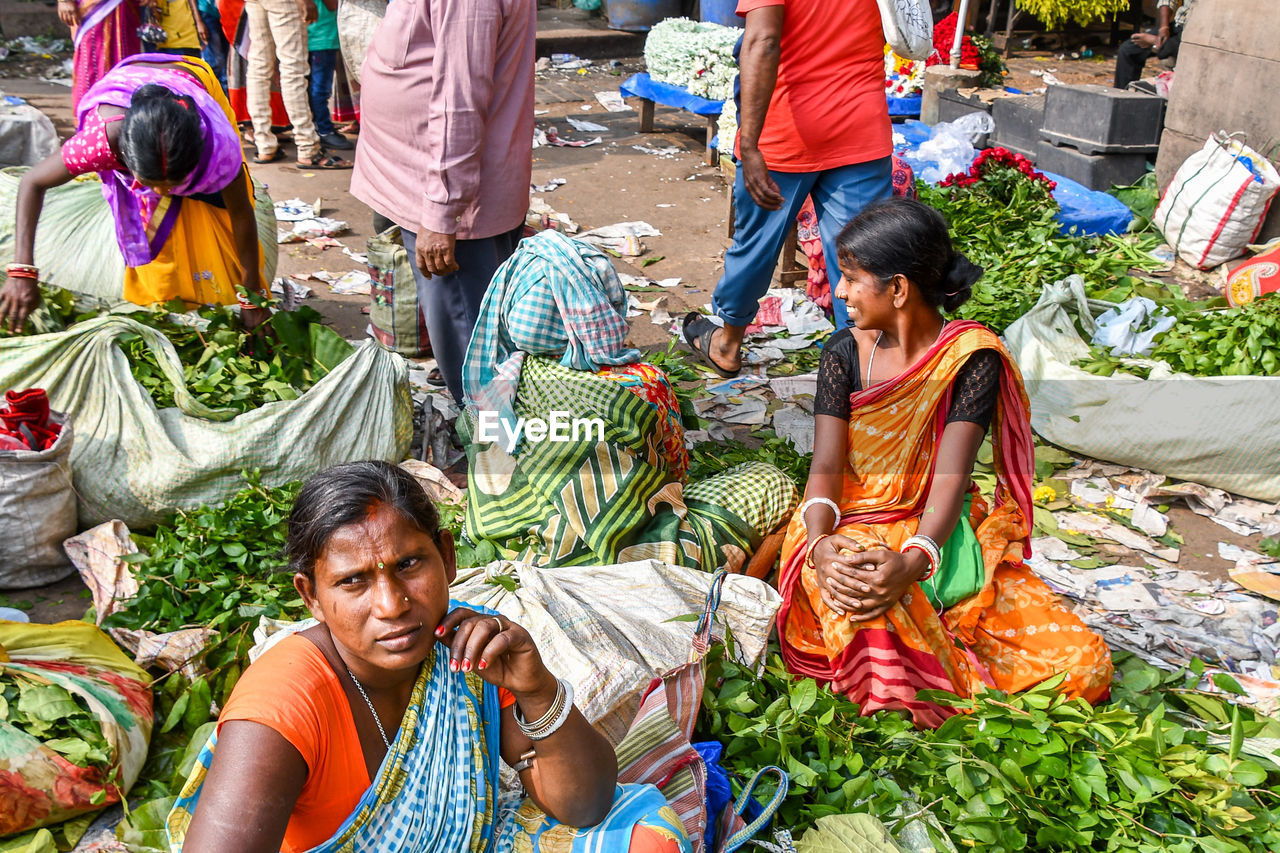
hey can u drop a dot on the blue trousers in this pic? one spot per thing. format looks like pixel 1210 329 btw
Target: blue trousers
pixel 320 88
pixel 215 52
pixel 758 234
pixel 451 303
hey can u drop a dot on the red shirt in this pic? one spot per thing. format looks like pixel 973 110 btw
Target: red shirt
pixel 828 107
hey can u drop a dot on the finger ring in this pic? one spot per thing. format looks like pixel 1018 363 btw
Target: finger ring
pixel 498 622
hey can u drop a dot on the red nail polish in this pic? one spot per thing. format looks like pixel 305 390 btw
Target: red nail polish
pixel 439 630
pixel 484 664
pixel 453 666
pixel 466 666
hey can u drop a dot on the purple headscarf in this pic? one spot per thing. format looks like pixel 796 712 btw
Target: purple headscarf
pixel 220 162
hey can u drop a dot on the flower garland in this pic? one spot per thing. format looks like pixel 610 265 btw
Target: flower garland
pixel 902 77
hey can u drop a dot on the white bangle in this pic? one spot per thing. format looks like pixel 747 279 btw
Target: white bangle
pixel 555 717
pixel 835 508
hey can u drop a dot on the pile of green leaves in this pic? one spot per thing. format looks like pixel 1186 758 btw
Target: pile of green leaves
pixel 1161 767
pixel 715 457
pixel 56 717
pixel 1010 231
pixel 226 366
pixel 1209 342
pixel 990 63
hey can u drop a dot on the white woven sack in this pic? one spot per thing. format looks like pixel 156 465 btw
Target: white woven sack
pixel 136 463
pixel 1220 431
pixel 908 27
pixel 37 511
pixel 609 630
pixel 1215 205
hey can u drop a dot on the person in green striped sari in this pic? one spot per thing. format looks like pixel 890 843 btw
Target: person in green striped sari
pixel 576 443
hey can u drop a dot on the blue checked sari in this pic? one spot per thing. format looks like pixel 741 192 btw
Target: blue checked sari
pixel 437 788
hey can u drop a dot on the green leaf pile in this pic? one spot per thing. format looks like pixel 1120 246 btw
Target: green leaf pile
pixel 1010 231
pixel 1161 767
pixel 1208 342
pixel 224 365
pixel 56 717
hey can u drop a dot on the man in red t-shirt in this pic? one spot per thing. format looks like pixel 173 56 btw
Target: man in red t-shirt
pixel 813 120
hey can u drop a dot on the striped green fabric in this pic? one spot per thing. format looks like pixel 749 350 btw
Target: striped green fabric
pixel 593 502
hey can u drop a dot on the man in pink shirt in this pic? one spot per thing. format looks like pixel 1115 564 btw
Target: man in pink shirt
pixel 446 150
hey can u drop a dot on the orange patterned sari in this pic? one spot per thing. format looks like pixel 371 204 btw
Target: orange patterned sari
pixel 1011 634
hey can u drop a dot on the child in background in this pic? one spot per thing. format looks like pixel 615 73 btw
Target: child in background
pixel 322 45
pixel 181 21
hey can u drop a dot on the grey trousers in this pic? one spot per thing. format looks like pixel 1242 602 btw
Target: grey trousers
pixel 451 303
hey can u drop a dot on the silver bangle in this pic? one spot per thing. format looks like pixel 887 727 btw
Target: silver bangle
pixel 555 717
pixel 835 508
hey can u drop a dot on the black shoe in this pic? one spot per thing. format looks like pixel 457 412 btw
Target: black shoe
pixel 336 141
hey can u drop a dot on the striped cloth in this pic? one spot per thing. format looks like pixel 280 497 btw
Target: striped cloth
pixel 553 297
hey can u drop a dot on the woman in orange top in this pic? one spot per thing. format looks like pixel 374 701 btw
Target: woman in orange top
pixel 896 575
pixel 381 726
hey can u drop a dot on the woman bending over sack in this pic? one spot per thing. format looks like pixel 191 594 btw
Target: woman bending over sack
pixel 381 726
pixel 161 136
pixel 897 575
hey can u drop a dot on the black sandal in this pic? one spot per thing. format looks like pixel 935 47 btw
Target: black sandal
pixel 697 333
pixel 270 158
pixel 324 163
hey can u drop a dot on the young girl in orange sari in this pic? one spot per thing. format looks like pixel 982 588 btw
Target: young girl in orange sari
pixel 897 575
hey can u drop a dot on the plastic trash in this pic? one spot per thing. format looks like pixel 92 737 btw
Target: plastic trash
pixel 1131 327
pixel 949 148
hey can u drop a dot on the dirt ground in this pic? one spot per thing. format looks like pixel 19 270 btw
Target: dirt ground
pixel 604 184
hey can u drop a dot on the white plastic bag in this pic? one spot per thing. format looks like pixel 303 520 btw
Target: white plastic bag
pixel 37 512
pixel 1131 327
pixel 1217 201
pixel 908 27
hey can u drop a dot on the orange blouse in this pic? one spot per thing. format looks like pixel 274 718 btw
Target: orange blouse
pixel 292 690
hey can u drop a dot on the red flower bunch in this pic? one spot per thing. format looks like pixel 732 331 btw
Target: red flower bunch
pixel 992 159
pixel 944 36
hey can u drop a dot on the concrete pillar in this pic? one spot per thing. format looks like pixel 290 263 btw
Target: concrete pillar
pixel 940 77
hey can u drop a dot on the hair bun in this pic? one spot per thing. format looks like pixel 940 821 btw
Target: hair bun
pixel 958 281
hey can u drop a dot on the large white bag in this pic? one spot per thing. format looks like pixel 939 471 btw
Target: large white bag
pixel 1221 431
pixel 908 27
pixel 1217 201
pixel 609 630
pixel 37 512
pixel 136 463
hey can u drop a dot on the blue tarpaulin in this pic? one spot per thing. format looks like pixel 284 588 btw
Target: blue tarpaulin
pixel 643 86
pixel 908 107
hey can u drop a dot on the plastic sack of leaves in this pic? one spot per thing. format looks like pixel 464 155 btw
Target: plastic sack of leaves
pixel 75 721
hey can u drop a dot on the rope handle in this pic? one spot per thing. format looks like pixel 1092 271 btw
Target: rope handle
pixel 702 633
pixel 770 809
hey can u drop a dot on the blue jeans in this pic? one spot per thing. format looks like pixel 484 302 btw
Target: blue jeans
pixel 215 52
pixel 758 234
pixel 320 89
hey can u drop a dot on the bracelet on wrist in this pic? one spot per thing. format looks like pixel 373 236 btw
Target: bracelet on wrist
pixel 827 502
pixel 808 552
pixel 555 717
pixel 928 547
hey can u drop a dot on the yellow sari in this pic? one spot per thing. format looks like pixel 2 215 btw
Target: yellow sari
pixel 1012 634
pixel 198 262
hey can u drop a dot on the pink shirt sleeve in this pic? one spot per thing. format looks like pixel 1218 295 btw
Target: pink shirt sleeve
pixel 466 35
pixel 89 151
